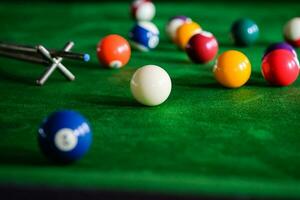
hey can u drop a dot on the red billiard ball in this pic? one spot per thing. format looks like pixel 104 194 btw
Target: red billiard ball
pixel 113 51
pixel 202 47
pixel 280 68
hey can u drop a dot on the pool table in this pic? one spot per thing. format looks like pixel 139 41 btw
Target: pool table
pixel 204 141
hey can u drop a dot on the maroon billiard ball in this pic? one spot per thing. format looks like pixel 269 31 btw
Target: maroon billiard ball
pixel 280 68
pixel 202 47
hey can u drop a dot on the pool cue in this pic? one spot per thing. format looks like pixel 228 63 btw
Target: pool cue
pixel 24 57
pixel 33 50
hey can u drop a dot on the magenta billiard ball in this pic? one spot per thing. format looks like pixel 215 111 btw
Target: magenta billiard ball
pixel 202 47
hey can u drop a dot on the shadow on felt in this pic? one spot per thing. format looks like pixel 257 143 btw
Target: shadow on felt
pixel 109 101
pixel 22 157
pixel 201 81
pixel 231 44
pixel 257 80
pixel 17 78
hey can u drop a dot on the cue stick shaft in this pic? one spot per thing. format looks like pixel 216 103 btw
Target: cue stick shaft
pixel 24 57
pixel 33 50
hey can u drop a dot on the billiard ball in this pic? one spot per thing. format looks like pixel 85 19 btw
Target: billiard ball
pixel 281 45
pixel 65 136
pixel 202 47
pixel 232 69
pixel 144 36
pixel 173 24
pixel 142 10
pixel 185 32
pixel 113 51
pixel 291 31
pixel 280 68
pixel 150 85
pixel 244 32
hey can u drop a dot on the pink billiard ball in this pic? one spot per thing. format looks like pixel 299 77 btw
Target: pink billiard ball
pixel 202 47
pixel 280 68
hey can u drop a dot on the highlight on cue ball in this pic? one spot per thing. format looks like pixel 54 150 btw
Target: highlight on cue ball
pixel 65 136
pixel 113 51
pixel 151 85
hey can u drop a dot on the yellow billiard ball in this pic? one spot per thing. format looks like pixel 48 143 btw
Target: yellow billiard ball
pixel 232 69
pixel 185 32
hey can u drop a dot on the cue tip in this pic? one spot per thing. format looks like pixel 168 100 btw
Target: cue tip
pixel 86 57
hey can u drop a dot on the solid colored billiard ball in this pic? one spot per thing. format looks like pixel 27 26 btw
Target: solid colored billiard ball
pixel 142 10
pixel 202 47
pixel 144 36
pixel 185 32
pixel 291 32
pixel 174 23
pixel 281 45
pixel 65 136
pixel 280 68
pixel 113 51
pixel 150 85
pixel 232 69
pixel 244 32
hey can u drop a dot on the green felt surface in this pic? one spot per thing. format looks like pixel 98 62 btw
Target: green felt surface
pixel 204 140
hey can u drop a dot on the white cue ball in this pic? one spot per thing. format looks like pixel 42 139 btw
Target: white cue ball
pixel 151 85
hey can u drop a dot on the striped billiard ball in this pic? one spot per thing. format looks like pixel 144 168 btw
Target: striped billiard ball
pixel 144 36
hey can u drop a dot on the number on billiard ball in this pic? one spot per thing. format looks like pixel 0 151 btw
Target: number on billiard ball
pixel 113 51
pixel 65 136
pixel 144 36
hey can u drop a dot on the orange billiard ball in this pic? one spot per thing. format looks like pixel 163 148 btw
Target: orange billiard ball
pixel 185 32
pixel 232 69
pixel 113 51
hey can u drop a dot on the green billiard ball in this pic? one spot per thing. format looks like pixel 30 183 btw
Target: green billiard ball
pixel 244 32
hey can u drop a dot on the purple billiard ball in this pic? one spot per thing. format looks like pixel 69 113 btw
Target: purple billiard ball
pixel 281 45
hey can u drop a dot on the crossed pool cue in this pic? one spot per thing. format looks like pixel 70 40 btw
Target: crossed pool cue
pixel 41 55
